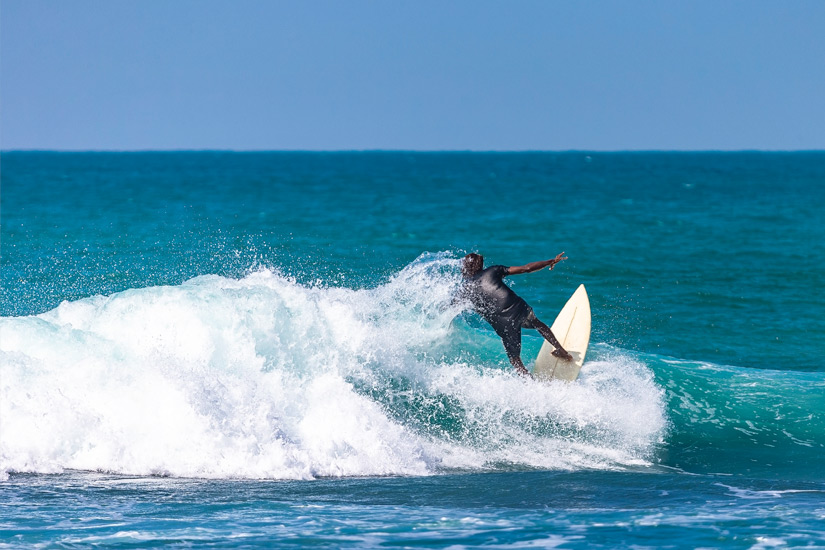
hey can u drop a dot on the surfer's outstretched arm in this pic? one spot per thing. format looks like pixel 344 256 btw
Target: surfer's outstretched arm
pixel 535 266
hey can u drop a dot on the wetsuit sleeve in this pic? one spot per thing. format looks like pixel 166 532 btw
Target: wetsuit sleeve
pixel 500 271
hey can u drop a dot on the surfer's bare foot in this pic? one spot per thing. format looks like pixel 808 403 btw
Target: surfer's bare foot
pixel 561 354
pixel 524 372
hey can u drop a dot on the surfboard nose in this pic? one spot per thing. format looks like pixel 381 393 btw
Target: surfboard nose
pixel 572 329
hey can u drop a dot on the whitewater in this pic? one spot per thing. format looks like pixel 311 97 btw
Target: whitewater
pixel 261 377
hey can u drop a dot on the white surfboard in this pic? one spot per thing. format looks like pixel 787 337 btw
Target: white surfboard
pixel 572 329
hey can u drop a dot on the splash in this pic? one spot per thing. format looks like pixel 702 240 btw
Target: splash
pixel 262 377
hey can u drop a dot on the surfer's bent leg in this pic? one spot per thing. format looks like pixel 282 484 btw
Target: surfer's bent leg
pixel 511 338
pixel 544 330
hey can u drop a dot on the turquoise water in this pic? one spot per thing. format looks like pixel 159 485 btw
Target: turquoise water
pixel 244 349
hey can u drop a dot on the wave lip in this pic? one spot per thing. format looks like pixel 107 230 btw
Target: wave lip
pixel 262 377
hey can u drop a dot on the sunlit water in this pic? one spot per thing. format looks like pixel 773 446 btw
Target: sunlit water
pixel 249 349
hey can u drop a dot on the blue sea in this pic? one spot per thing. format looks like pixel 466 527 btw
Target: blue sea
pixel 221 349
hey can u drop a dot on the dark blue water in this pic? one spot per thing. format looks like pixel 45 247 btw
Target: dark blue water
pixel 238 349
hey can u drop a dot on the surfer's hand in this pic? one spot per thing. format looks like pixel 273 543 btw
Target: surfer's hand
pixel 557 259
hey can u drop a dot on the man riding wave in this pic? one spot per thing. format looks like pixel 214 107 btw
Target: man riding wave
pixel 505 310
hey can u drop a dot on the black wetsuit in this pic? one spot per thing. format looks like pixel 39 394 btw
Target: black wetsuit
pixel 505 310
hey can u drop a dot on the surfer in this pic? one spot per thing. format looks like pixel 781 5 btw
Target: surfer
pixel 505 310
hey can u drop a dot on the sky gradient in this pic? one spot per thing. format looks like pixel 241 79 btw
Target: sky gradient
pixel 424 75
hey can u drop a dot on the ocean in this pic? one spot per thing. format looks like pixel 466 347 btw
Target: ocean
pixel 229 349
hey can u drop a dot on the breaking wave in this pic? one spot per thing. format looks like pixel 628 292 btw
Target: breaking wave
pixel 263 377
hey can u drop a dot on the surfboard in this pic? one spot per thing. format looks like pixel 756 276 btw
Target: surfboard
pixel 572 329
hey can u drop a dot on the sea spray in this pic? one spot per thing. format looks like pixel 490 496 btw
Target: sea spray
pixel 262 377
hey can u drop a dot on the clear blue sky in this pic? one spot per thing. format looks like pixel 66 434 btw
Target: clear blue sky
pixel 428 75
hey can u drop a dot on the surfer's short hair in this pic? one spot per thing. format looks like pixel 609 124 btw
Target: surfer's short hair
pixel 473 263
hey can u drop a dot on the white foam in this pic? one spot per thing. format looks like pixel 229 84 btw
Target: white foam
pixel 265 378
pixel 752 494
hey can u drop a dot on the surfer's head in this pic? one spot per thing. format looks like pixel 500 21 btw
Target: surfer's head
pixel 472 264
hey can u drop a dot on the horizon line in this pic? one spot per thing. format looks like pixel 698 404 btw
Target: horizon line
pixel 425 151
